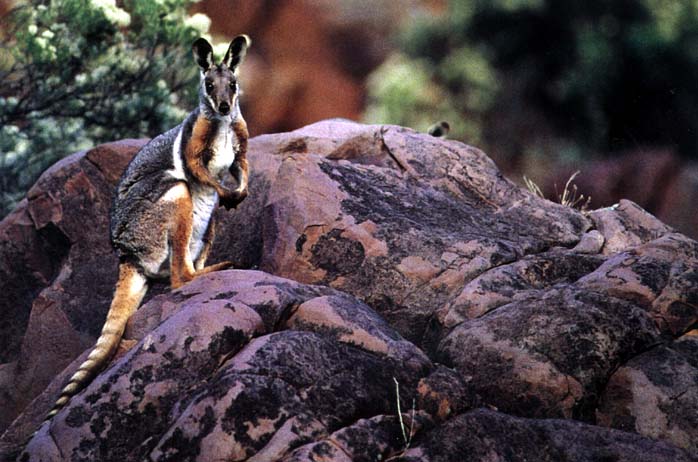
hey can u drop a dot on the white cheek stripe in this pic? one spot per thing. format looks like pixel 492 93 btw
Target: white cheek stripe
pixel 210 100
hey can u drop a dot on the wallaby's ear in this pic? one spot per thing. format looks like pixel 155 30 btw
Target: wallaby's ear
pixel 236 51
pixel 203 53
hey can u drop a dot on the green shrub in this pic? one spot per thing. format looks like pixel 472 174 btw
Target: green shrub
pixel 77 73
pixel 525 75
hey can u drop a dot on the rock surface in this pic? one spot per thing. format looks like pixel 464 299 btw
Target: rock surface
pixel 485 435
pixel 383 254
pixel 655 394
pixel 235 365
pixel 399 219
pixel 57 271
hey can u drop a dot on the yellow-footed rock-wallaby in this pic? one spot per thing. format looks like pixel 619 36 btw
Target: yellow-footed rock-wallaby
pixel 162 217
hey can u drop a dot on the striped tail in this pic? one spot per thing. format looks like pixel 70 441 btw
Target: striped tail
pixel 130 290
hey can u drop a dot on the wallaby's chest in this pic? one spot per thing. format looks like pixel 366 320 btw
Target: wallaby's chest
pixel 223 145
pixel 215 142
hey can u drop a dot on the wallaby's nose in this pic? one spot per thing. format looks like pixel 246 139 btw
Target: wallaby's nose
pixel 224 108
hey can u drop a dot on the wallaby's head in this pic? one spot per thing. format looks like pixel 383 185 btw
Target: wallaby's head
pixel 219 84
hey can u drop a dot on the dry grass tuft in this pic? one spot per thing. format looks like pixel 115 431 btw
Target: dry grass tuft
pixel 570 197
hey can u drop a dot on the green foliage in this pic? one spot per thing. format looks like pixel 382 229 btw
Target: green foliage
pixel 77 73
pixel 403 95
pixel 530 75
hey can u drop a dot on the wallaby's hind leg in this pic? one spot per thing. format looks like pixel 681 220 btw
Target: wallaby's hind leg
pixel 182 268
pixel 208 243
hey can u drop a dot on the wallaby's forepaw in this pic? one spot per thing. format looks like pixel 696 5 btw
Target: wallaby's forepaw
pixel 232 199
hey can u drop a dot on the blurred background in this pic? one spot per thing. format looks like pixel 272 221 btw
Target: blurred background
pixel 545 87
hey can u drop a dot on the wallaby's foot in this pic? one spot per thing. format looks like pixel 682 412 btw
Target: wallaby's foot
pixel 217 267
pixel 177 281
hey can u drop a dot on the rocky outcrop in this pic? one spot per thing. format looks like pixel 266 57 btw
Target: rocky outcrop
pixel 240 364
pixel 514 327
pixel 399 219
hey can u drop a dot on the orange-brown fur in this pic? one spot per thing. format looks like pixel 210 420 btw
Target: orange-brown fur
pixel 195 151
pixel 194 155
pixel 181 267
pixel 240 129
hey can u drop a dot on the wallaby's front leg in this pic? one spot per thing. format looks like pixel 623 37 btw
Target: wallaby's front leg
pixel 195 163
pixel 239 169
pixel 197 154
pixel 182 268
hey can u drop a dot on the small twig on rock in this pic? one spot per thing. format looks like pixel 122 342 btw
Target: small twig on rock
pixel 399 411
pixel 407 439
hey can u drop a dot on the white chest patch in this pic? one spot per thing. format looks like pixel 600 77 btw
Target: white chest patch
pixel 224 147
pixel 204 200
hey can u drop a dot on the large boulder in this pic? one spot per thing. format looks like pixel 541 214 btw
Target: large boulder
pixel 398 260
pixel 401 220
pixel 485 435
pixel 57 271
pixel 234 365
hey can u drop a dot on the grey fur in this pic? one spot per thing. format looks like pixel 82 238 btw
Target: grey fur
pixel 144 182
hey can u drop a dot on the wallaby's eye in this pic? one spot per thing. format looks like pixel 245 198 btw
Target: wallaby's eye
pixel 233 86
pixel 209 87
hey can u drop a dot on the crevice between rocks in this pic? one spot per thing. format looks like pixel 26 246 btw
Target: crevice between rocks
pixel 336 444
pixel 403 168
pixel 542 251
pixel 603 383
pixel 53 440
